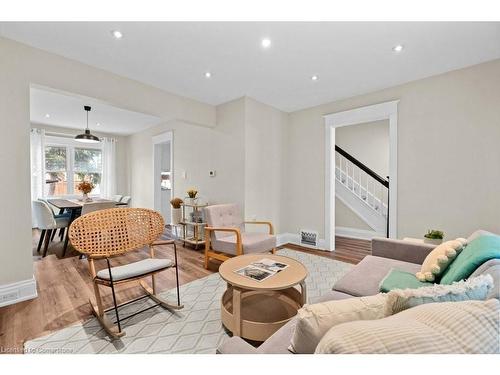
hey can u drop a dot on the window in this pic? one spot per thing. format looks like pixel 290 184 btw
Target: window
pixel 67 164
pixel 56 171
pixel 88 167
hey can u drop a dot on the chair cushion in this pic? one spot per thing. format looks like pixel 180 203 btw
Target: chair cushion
pixel 139 268
pixel 252 243
pixel 365 278
pixel 223 216
pixel 438 328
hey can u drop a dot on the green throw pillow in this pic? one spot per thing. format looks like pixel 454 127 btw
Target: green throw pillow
pixel 397 279
pixel 478 251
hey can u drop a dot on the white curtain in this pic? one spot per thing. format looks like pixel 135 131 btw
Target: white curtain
pixel 37 155
pixel 108 182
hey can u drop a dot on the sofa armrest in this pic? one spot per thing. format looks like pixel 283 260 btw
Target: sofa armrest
pixel 406 251
pixel 236 345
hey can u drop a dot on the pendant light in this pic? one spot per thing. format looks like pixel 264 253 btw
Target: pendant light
pixel 87 137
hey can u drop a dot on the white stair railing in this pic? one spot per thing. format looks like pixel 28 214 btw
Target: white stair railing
pixel 369 191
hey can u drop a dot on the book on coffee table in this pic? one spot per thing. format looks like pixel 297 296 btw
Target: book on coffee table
pixel 262 269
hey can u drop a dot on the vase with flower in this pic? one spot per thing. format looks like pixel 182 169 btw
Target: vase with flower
pixel 192 195
pixel 86 188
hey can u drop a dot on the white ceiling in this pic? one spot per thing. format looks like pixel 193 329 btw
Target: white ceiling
pixel 67 111
pixel 349 58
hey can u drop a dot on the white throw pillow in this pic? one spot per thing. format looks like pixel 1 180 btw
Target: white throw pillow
pixel 476 288
pixel 313 321
pixel 449 327
pixel 438 259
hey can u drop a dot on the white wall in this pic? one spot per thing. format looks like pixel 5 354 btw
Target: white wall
pixel 21 66
pixel 265 129
pixel 368 142
pixel 346 218
pixel 196 151
pixel 448 154
pixel 244 149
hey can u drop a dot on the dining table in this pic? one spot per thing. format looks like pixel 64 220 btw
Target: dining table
pixel 74 207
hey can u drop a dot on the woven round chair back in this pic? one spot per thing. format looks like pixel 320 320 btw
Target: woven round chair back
pixel 115 231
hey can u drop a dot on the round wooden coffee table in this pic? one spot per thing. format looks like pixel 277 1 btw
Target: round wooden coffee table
pixel 256 309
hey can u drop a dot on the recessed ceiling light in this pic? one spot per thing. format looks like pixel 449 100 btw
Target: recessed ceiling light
pixel 398 48
pixel 266 42
pixel 47 115
pixel 117 34
pixel 98 124
pixel 208 75
pixel 314 78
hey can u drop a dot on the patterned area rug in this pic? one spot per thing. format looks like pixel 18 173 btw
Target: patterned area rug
pixel 194 329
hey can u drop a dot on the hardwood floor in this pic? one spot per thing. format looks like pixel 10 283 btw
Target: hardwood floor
pixel 64 286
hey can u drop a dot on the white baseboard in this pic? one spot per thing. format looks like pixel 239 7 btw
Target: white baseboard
pixel 294 238
pixel 362 234
pixel 17 292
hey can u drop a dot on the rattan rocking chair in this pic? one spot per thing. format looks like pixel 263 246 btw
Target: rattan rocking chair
pixel 108 233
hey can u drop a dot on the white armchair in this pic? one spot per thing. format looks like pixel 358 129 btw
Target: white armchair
pixel 225 234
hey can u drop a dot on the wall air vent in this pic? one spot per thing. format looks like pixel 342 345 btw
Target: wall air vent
pixel 309 238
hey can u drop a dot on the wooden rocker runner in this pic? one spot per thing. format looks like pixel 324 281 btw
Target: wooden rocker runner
pixel 109 233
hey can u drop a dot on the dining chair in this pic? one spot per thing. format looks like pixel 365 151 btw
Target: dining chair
pixel 106 234
pixel 96 206
pixel 125 199
pixel 225 234
pixel 56 216
pixel 45 220
pixel 117 197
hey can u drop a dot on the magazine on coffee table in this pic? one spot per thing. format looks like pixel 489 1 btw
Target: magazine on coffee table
pixel 262 269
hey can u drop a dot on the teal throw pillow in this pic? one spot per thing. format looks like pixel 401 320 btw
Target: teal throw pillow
pixel 478 251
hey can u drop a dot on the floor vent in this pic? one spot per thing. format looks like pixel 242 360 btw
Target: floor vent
pixel 309 237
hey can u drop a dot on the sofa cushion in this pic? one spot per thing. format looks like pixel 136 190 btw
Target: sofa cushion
pixel 491 267
pixel 476 288
pixel 478 233
pixel 365 278
pixel 330 296
pixel 439 259
pixel 478 251
pixel 447 327
pixel 252 243
pixel 397 279
pixel 313 321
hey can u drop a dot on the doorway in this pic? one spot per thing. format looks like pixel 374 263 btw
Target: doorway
pixel 375 113
pixel 163 174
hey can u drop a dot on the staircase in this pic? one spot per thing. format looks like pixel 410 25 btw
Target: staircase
pixel 362 190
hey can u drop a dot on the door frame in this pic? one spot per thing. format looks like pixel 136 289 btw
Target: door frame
pixel 166 137
pixel 371 113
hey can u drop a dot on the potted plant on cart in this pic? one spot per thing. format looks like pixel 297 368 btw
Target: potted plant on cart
pixel 176 210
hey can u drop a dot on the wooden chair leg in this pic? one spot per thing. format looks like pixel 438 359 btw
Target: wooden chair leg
pixel 110 328
pixel 207 248
pixel 273 250
pixel 48 234
pixel 40 242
